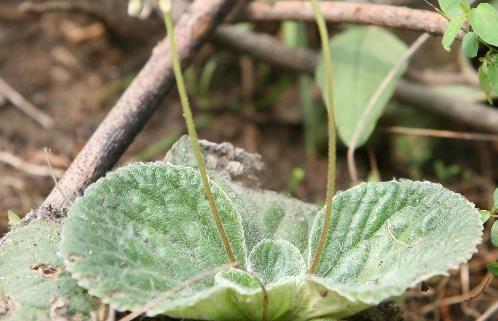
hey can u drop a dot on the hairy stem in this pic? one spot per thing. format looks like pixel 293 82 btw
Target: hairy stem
pixel 324 37
pixel 187 113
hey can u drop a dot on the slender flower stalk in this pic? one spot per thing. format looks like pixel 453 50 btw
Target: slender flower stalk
pixel 187 113
pixel 324 37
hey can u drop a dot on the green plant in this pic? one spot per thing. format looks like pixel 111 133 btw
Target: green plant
pixel 164 239
pixel 481 32
pixel 486 215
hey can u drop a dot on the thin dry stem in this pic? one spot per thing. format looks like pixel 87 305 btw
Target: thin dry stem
pixel 32 169
pixel 360 127
pixel 440 133
pixel 25 106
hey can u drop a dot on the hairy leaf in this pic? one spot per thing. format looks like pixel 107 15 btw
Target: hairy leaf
pixel 386 237
pixel 452 30
pixel 33 282
pixel 272 261
pixel 470 44
pixel 484 21
pixel 143 230
pixel 454 8
pixel 362 57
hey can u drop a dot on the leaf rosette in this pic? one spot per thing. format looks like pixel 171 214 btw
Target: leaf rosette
pixel 146 230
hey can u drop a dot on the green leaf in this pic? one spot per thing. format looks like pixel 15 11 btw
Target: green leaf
pixel 386 237
pixel 495 200
pixel 493 268
pixel 270 215
pixel 33 282
pixel 362 57
pixel 485 215
pixel 484 80
pixel 493 75
pixel 273 261
pixel 494 234
pixel 14 219
pixel 470 44
pixel 454 8
pixel 484 21
pixel 452 30
pixel 143 230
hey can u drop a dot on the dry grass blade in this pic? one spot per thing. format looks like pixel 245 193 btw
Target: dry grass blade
pixel 373 101
pixel 27 167
pixel 440 133
pixel 25 106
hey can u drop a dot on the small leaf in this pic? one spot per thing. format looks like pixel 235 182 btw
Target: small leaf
pixel 14 219
pixel 493 75
pixel 494 234
pixel 485 81
pixel 493 268
pixel 273 261
pixel 362 57
pixel 454 8
pixel 485 215
pixel 484 21
pixel 452 31
pixel 495 200
pixel 470 44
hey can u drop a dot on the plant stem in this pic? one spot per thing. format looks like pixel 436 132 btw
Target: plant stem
pixel 187 113
pixel 324 36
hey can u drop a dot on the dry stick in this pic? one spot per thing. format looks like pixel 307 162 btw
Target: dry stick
pixel 139 101
pixel 25 106
pixel 327 58
pixel 263 48
pixel 153 303
pixel 360 127
pixel 341 12
pixel 32 169
pixel 192 132
pixel 440 133
pixel 489 312
pixel 471 113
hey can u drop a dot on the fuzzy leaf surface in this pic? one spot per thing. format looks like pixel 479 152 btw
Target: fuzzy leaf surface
pixel 386 237
pixel 362 57
pixel 33 282
pixel 144 229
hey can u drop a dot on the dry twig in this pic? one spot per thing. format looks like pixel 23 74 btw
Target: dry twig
pixel 25 106
pixel 263 48
pixel 27 167
pixel 347 12
pixel 440 133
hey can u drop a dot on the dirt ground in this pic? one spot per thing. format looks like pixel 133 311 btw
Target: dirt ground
pixel 74 66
